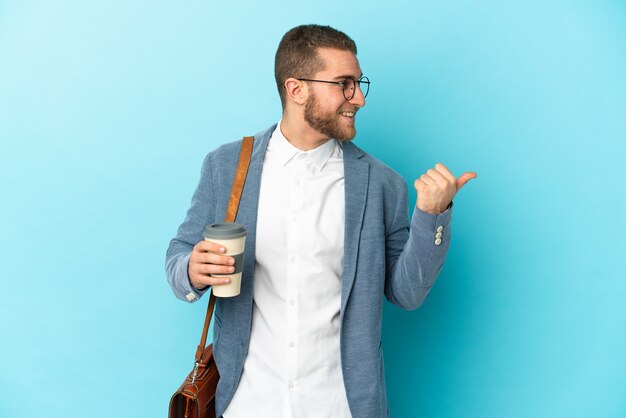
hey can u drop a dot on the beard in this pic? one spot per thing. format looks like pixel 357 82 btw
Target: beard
pixel 326 122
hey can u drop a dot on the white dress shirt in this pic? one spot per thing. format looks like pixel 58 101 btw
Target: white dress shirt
pixel 293 367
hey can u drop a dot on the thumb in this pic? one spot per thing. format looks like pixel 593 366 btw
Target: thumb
pixel 464 178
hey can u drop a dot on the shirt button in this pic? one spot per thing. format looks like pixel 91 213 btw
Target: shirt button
pixel 440 228
pixel 438 235
pixel 291 344
pixel 438 241
pixel 190 297
pixel 290 385
pixel 292 259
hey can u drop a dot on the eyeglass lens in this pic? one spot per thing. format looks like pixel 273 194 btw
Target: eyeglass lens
pixel 349 88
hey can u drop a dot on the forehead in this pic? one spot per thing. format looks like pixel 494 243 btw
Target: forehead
pixel 338 64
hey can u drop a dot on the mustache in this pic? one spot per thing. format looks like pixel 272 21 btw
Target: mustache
pixel 351 109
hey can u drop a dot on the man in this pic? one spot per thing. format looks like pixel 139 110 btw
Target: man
pixel 328 237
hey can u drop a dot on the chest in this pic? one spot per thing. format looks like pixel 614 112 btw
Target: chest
pixel 301 211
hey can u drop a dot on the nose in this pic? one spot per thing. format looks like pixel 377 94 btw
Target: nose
pixel 358 99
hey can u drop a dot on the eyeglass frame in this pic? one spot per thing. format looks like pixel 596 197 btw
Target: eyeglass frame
pixel 342 84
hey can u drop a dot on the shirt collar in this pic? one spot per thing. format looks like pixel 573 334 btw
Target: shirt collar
pixel 317 158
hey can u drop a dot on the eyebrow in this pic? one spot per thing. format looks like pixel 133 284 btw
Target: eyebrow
pixel 343 77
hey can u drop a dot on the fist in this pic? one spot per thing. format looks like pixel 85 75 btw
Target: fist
pixel 437 187
pixel 206 259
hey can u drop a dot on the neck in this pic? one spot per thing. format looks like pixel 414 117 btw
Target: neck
pixel 300 134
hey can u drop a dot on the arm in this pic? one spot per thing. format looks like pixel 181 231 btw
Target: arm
pixel 190 260
pixel 414 262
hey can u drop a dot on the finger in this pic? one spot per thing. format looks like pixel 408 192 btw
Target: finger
pixel 201 281
pixel 419 185
pixel 208 246
pixel 444 170
pixel 218 280
pixel 439 178
pixel 429 181
pixel 464 178
pixel 210 258
pixel 207 269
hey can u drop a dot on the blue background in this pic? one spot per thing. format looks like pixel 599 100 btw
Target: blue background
pixel 108 108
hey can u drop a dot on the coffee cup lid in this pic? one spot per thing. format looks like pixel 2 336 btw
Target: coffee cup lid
pixel 224 230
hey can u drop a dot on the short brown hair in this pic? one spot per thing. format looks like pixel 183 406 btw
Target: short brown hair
pixel 297 57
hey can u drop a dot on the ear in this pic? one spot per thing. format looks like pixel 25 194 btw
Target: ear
pixel 297 91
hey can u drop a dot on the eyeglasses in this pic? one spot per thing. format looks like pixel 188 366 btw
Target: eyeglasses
pixel 348 86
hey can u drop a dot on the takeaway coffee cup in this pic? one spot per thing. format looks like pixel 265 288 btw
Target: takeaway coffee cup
pixel 232 237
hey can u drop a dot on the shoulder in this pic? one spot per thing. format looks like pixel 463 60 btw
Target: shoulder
pixel 227 153
pixel 379 172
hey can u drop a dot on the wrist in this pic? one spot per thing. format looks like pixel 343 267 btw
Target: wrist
pixel 434 211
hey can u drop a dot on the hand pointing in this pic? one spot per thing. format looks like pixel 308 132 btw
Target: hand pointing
pixel 437 187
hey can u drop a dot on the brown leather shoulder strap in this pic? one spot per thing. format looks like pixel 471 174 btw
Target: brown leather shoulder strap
pixel 205 329
pixel 231 214
pixel 240 178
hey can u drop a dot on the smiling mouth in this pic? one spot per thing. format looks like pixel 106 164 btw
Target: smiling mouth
pixel 347 114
